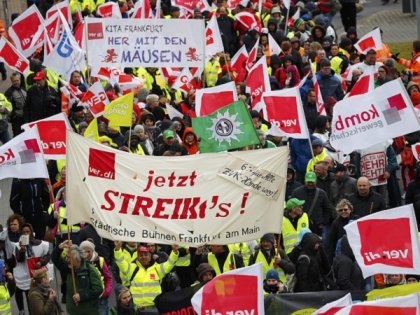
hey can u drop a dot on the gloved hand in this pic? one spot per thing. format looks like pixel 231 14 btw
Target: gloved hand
pixel 395 56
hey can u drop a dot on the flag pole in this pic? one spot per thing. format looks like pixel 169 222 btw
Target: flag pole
pixel 287 22
pixel 73 277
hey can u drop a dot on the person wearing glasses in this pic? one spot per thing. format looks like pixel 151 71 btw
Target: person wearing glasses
pixel 344 210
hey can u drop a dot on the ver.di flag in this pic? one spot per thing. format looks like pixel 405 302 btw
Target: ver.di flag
pixel 14 59
pixel 364 120
pixel 119 111
pixel 406 305
pixel 52 132
pixel 22 157
pixel 372 40
pixel 333 307
pixel 229 127
pixel 415 148
pixel 284 110
pixel 394 252
pixel 258 82
pixel 208 100
pixel 200 199
pixel 24 28
pixel 214 43
pixel 238 291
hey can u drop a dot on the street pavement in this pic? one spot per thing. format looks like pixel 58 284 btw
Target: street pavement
pixel 397 27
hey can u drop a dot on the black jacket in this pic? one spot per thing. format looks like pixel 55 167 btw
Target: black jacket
pixel 347 272
pixel 311 265
pixel 336 232
pixel 323 208
pixel 41 103
pixel 364 205
pixel 343 189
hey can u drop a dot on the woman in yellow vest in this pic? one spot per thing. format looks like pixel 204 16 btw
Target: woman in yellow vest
pixel 7 289
pixel 145 275
pixel 293 221
pixel 272 258
pixel 57 220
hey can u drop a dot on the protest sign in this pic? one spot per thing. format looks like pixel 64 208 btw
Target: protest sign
pixel 145 42
pixel 181 200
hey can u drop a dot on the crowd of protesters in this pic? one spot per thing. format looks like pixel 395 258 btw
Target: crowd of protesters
pixel 324 191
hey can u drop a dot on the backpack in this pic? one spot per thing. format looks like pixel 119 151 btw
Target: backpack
pixel 291 280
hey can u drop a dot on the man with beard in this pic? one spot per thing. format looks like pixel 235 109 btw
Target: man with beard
pixel 272 258
pixel 343 185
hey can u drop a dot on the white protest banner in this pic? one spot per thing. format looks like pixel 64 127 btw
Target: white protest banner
pixel 396 251
pixel 239 291
pixel 22 157
pixel 130 197
pixel 361 121
pixel 52 132
pixel 145 42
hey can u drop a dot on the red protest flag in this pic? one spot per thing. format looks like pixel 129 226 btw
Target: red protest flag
pixel 14 59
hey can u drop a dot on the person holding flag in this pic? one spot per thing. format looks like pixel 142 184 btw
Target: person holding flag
pixel 412 65
pixel 272 258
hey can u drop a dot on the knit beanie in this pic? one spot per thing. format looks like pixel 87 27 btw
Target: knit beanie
pixel 87 244
pixel 272 274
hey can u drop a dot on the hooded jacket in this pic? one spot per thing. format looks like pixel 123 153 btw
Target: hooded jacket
pixel 311 265
pixel 346 270
pixel 413 188
pixel 192 148
pixel 291 184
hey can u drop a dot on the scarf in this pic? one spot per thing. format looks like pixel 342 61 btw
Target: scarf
pixel 126 309
pixel 45 289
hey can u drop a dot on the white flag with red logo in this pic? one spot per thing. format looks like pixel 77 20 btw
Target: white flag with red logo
pixel 66 56
pixel 209 100
pixel 22 157
pixel 95 99
pixel 64 8
pixel 188 5
pixel 371 40
pixel 333 307
pixel 203 5
pixel 24 28
pixel 284 110
pixel 393 252
pixel 185 81
pixel 365 84
pixel 249 20
pixel 274 47
pixel 52 133
pixel 364 120
pixel 128 82
pixel 238 291
pixel 12 57
pixel 404 305
pixel 109 9
pixel 48 34
pixel 214 42
pixel 79 34
pixel 257 81
pixel 320 105
pixel 415 148
pixel 142 10
pixel 238 62
pixel 252 56
pixel 234 3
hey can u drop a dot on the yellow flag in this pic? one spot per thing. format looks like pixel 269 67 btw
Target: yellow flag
pixel 91 131
pixel 119 111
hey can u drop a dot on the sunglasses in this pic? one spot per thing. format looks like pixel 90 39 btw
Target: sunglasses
pixel 344 209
